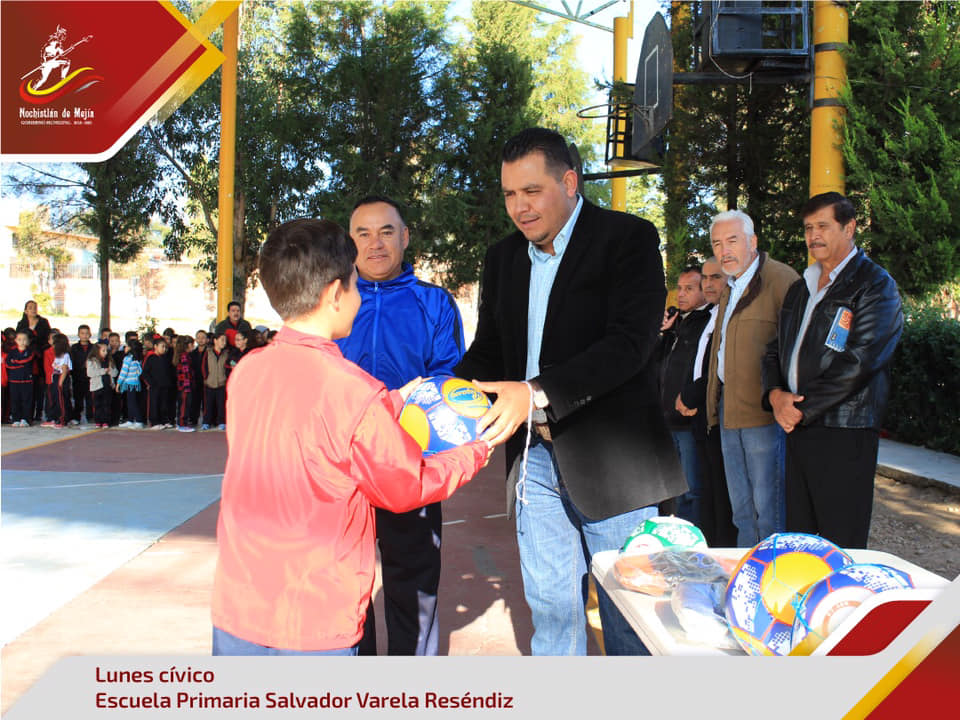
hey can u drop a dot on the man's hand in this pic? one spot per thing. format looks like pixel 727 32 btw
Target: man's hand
pixel 508 412
pixel 787 415
pixel 683 409
pixel 408 388
pixel 669 320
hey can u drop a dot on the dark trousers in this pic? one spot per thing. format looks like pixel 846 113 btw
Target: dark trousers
pixel 716 516
pixel 159 409
pixel 410 564
pixel 184 408
pixel 196 402
pixel 830 473
pixel 117 407
pixel 39 395
pixel 101 404
pixel 134 408
pixel 214 405
pixel 81 398
pixel 21 401
pixel 58 401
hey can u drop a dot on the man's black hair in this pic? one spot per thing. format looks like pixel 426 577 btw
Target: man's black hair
pixel 843 210
pixel 690 269
pixel 300 259
pixel 556 154
pixel 371 199
pixel 232 303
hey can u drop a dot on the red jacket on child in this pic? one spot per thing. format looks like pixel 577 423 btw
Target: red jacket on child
pixel 313 446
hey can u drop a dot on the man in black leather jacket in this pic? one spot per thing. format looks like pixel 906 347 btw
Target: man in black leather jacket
pixel 826 376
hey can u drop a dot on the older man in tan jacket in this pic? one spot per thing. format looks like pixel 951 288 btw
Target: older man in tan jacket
pixel 752 442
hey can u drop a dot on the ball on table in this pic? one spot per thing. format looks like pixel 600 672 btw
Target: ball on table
pixel 766 587
pixel 828 602
pixel 661 533
pixel 442 413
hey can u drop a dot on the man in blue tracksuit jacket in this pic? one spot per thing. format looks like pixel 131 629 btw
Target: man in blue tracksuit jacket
pixel 405 328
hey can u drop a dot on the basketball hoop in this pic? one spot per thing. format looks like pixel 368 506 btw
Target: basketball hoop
pixel 614 109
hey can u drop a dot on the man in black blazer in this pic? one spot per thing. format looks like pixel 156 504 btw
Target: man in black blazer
pixel 570 310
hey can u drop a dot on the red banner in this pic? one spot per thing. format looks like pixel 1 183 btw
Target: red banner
pixel 80 78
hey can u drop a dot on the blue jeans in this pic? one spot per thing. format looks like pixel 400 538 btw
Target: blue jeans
pixel 225 643
pixel 688 504
pixel 556 544
pixel 753 459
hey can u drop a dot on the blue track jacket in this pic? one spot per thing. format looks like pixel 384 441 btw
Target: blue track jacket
pixel 405 328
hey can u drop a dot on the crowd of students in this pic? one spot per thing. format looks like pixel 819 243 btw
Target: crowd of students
pixel 156 381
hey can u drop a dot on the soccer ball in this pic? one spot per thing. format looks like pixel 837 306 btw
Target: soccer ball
pixel 660 533
pixel 828 602
pixel 442 413
pixel 766 586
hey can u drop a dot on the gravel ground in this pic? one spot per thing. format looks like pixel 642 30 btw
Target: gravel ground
pixel 917 523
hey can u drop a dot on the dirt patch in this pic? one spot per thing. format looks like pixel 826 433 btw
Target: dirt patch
pixel 919 524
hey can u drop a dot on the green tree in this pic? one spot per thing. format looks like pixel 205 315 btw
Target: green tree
pixel 113 200
pixel 901 137
pixel 278 162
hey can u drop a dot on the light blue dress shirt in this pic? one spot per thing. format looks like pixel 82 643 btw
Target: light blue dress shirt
pixel 811 276
pixel 543 270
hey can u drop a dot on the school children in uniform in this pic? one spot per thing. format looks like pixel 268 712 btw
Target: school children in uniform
pixel 101 373
pixel 81 383
pixel 160 378
pixel 184 364
pixel 215 384
pixel 128 382
pixel 18 365
pixel 59 410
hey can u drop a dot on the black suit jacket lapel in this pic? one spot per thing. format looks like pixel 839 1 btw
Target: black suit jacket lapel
pixel 576 247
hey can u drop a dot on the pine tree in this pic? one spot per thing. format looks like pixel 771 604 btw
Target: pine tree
pixel 902 138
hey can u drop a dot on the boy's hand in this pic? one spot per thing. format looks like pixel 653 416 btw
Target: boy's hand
pixel 408 388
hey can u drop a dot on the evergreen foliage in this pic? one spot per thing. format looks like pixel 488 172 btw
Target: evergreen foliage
pixel 902 138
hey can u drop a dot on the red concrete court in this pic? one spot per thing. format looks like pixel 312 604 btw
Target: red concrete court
pixel 158 602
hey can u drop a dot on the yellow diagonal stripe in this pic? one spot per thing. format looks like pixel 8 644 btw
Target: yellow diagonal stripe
pixel 897 674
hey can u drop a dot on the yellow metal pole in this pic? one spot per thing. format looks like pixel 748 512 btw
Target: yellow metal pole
pixel 830 24
pixel 622 31
pixel 228 123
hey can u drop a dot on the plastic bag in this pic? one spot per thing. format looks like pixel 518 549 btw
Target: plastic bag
pixel 699 608
pixel 657 572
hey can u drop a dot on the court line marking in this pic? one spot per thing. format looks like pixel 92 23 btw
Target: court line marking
pixel 51 442
pixel 111 484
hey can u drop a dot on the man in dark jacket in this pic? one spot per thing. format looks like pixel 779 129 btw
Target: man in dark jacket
pixel 570 308
pixel 405 328
pixel 232 323
pixel 826 376
pixel 679 341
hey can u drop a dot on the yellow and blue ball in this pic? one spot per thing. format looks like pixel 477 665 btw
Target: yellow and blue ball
pixel 442 413
pixel 766 587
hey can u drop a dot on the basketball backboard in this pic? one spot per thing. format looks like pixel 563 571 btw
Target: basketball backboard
pixel 653 87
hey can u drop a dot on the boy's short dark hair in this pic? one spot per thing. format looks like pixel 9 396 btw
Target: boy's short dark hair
pixel 556 154
pixel 170 331
pixel 232 303
pixel 83 327
pixel 17 332
pixel 300 259
pixel 129 334
pixel 843 210
pixel 116 335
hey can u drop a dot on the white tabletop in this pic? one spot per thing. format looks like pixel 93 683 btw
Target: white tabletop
pixel 655 622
